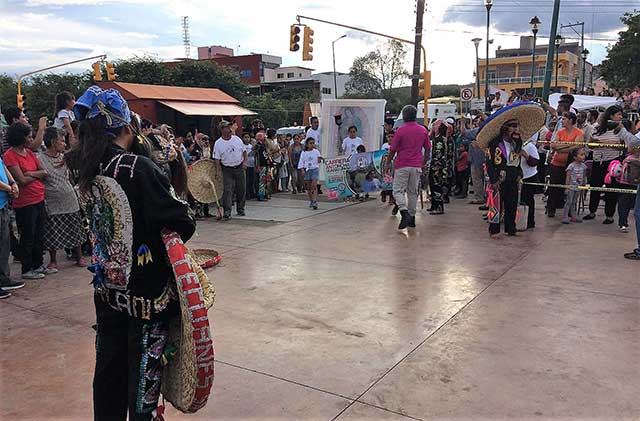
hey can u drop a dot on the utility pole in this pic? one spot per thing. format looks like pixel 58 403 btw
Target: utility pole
pixel 416 52
pixel 581 33
pixel 552 36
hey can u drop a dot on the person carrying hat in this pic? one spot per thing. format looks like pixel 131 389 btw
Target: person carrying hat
pixel 231 158
pixel 503 133
pixel 128 201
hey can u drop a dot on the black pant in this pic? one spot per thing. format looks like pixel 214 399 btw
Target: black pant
pixel 462 181
pixel 556 194
pixel 626 202
pixel 128 365
pixel 234 184
pixel 509 202
pixel 251 183
pixel 598 172
pixel 30 220
pixel 527 196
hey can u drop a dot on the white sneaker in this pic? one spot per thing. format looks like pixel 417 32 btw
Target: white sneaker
pixel 624 228
pixel 32 274
pixel 45 270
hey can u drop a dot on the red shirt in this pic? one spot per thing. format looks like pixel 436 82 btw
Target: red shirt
pixel 33 192
pixel 408 143
pixel 463 162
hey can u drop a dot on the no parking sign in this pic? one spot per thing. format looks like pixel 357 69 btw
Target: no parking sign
pixel 466 94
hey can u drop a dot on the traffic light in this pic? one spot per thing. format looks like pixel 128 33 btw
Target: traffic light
pixel 294 38
pixel 111 71
pixel 307 48
pixel 97 72
pixel 425 84
pixel 20 101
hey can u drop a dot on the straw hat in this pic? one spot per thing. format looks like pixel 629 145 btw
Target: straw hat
pixel 189 371
pixel 530 116
pixel 204 181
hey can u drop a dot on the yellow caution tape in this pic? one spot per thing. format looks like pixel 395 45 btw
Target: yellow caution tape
pixel 585 187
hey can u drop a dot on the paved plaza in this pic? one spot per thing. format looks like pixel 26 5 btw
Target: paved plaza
pixel 341 316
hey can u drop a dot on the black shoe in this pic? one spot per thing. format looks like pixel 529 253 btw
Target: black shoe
pixel 512 234
pixel 608 221
pixel 10 285
pixel 437 211
pixel 589 217
pixel 483 208
pixel 395 210
pixel 226 217
pixel 412 222
pixel 4 294
pixel 240 213
pixel 404 222
pixel 634 255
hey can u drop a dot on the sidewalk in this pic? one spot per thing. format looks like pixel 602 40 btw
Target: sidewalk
pixel 342 316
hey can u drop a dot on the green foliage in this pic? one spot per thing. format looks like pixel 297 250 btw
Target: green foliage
pixel 271 111
pixel 378 71
pixel 146 69
pixel 621 68
pixel 207 74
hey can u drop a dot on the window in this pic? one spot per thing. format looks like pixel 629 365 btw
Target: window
pixel 299 74
pixel 492 74
pixel 280 76
pixel 246 73
pixel 289 75
pixel 326 91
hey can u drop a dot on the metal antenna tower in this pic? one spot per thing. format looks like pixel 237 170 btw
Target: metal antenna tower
pixel 186 38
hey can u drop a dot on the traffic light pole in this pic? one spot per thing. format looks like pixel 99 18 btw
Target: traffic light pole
pixel 102 57
pixel 550 51
pixel 424 52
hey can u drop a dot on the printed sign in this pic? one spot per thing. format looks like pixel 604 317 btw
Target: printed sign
pixel 466 94
pixel 357 174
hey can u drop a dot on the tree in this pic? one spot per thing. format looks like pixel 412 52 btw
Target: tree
pixel 207 74
pixel 271 111
pixel 378 71
pixel 146 69
pixel 621 68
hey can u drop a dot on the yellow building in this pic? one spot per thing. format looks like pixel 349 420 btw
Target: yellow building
pixel 511 69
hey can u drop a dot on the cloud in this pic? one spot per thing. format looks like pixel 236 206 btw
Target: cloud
pixel 140 35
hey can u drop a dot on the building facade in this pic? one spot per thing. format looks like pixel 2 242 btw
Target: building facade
pixel 511 69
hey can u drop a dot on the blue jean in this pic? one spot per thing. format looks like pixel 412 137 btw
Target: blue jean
pixel 637 215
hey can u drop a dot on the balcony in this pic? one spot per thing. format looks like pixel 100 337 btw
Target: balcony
pixel 525 79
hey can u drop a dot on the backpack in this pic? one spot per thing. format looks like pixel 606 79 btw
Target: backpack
pixel 631 170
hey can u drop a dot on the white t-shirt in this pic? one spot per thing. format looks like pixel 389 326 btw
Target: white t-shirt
pixel 309 160
pixel 528 170
pixel 385 147
pixel 350 146
pixel 229 152
pixel 251 160
pixel 58 123
pixel 314 134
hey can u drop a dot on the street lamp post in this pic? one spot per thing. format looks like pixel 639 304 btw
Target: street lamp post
pixel 558 42
pixel 535 22
pixel 476 42
pixel 335 77
pixel 487 104
pixel 585 54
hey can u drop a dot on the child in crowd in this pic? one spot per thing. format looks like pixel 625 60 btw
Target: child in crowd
pixel 462 172
pixel 576 176
pixel 310 165
pixel 387 182
pixel 64 103
pixel 626 201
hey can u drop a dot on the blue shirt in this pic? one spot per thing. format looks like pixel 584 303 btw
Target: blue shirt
pixel 4 196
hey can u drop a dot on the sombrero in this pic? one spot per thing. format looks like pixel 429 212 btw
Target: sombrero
pixel 530 115
pixel 205 258
pixel 189 371
pixel 204 181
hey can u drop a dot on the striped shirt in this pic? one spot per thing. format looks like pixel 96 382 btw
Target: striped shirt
pixel 607 154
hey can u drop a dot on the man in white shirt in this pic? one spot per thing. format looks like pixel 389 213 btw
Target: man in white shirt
pixel 314 131
pixel 230 156
pixel 350 144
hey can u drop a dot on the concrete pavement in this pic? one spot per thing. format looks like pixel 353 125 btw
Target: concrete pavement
pixel 342 316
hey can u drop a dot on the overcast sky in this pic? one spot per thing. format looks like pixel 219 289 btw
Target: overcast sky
pixel 38 33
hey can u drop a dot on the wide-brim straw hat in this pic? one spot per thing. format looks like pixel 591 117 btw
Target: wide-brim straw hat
pixel 530 116
pixel 205 182
pixel 205 258
pixel 189 368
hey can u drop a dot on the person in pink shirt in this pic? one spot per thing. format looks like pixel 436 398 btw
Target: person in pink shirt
pixel 409 152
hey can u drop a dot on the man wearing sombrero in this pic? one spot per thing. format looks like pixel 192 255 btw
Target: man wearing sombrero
pixel 502 134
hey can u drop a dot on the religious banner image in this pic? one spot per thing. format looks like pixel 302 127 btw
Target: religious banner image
pixel 358 174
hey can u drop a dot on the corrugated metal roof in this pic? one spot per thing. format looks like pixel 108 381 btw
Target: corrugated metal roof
pixel 207 109
pixel 175 93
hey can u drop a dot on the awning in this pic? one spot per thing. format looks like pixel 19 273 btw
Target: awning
pixel 207 108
